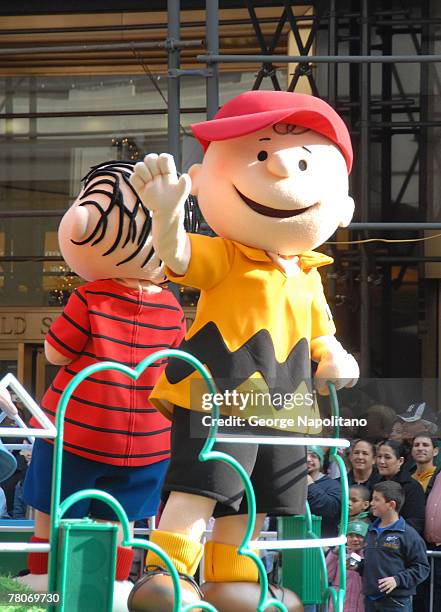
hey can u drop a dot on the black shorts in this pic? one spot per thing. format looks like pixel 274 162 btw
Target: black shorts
pixel 277 473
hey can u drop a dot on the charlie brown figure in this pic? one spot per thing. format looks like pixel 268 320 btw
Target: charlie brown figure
pixel 273 185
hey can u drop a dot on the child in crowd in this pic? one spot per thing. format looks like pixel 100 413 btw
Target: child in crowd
pixel 357 531
pixel 395 559
pixel 359 498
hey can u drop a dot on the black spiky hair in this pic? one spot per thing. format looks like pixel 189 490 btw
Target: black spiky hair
pixel 94 180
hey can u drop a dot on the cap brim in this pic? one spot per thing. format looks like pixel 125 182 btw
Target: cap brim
pixel 409 419
pixel 425 417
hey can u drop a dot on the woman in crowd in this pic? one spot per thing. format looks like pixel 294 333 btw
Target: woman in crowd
pixel 362 460
pixel 390 459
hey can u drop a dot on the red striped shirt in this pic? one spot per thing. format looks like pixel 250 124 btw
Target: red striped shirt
pixel 109 417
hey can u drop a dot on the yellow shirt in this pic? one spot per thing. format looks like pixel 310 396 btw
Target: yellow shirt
pixel 424 477
pixel 253 325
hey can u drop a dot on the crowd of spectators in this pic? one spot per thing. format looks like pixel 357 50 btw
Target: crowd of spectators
pixel 399 450
pixel 12 505
pixel 405 461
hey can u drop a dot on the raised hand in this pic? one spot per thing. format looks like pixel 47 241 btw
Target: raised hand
pixel 156 181
pixel 339 368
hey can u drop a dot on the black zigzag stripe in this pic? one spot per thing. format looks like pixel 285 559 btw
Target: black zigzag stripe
pixel 232 368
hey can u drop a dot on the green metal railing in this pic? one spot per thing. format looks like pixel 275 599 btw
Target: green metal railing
pixel 206 454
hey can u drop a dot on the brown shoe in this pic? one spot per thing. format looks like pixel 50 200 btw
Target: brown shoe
pixel 244 596
pixel 154 592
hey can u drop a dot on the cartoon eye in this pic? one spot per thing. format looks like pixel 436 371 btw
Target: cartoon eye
pixel 303 165
pixel 262 155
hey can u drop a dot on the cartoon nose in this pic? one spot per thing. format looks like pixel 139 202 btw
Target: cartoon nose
pixel 280 164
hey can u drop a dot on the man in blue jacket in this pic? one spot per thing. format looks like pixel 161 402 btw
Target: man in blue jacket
pixel 395 559
pixel 324 494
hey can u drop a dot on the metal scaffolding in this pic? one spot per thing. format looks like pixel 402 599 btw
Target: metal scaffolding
pixel 363 29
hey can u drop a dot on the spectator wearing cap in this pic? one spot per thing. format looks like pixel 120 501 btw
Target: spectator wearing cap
pixel 354 599
pixel 418 418
pixel 324 495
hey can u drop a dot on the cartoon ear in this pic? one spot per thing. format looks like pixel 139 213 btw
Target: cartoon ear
pixel 346 211
pixel 194 171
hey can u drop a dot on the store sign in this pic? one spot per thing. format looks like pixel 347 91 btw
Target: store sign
pixel 26 325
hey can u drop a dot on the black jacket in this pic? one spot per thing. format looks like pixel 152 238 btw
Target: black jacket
pixel 397 551
pixel 324 498
pixel 414 507
pixel 373 479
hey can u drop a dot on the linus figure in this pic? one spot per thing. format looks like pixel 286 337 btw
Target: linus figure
pixel 273 185
pixel 114 439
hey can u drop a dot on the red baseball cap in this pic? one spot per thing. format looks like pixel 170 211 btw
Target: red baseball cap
pixel 254 110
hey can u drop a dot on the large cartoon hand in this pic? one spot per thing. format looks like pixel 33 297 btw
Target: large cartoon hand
pixel 339 368
pixel 156 181
pixel 161 191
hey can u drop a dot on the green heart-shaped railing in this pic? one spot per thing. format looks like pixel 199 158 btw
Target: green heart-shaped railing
pixel 206 454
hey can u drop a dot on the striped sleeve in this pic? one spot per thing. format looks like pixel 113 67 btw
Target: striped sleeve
pixel 70 331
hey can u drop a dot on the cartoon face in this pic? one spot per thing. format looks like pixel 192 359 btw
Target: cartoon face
pixel 106 233
pixel 283 189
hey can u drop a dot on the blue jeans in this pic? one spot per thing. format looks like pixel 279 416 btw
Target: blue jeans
pixel 388 604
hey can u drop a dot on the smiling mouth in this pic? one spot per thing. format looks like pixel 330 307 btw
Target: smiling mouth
pixel 271 212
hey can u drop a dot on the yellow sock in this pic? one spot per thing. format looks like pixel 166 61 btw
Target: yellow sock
pixel 183 552
pixel 222 563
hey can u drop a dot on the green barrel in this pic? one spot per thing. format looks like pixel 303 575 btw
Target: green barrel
pixel 301 567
